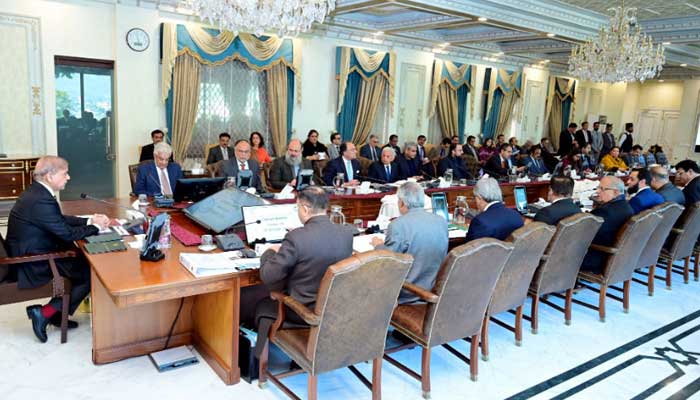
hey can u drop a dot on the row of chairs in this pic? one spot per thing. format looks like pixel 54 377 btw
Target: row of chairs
pixel 476 281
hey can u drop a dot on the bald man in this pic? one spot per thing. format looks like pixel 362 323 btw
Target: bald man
pixel 285 170
pixel 37 226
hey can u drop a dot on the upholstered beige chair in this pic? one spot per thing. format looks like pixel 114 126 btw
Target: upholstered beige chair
pixel 349 323
pixel 215 169
pixel 560 264
pixel 682 242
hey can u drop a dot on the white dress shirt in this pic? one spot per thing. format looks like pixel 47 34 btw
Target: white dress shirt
pixel 224 152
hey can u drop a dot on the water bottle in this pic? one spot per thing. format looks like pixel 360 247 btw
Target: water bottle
pixel 164 241
pixel 459 216
pixel 338 182
pixel 448 176
pixel 337 216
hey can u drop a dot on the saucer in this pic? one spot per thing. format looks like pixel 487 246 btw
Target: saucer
pixel 207 247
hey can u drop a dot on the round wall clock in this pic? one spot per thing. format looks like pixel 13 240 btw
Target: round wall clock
pixel 137 39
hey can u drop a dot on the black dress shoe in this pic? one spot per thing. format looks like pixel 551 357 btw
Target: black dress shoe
pixel 38 322
pixel 56 321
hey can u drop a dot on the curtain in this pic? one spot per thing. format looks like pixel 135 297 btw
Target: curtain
pixel 186 97
pixel 277 106
pixel 491 123
pixel 449 75
pixel 506 114
pixel 554 127
pixel 345 122
pixel 371 93
pixel 561 103
pixel 462 95
pixel 447 111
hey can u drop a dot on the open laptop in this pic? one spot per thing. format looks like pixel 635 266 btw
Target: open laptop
pixel 222 210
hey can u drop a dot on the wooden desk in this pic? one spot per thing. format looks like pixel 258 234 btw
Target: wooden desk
pixel 135 302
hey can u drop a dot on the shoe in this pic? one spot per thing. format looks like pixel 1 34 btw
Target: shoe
pixel 38 322
pixel 55 320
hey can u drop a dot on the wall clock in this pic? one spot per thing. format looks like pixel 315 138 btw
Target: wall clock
pixel 137 39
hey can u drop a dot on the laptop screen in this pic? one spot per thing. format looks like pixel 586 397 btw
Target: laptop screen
pixel 275 221
pixel 222 210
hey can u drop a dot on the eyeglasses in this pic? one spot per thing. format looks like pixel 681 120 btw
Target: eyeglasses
pixel 606 188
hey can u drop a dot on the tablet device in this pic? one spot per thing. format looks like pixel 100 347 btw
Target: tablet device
pixel 439 202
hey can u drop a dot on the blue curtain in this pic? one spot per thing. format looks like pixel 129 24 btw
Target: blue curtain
pixel 462 94
pixel 169 115
pixel 345 123
pixel 492 120
pixel 565 112
pixel 290 102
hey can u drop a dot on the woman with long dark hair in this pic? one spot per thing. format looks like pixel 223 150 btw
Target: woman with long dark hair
pixel 259 153
pixel 312 147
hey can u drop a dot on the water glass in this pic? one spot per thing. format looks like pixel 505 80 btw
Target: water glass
pixel 207 240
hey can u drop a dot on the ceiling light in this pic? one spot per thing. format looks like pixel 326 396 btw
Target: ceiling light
pixel 545 61
pixel 483 19
pixel 684 65
pixel 445 44
pixel 377 33
pixel 551 35
pixel 500 53
pixel 666 43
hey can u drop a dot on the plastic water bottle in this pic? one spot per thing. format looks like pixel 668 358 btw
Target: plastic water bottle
pixel 164 242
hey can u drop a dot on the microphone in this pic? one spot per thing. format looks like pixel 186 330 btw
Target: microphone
pixel 374 180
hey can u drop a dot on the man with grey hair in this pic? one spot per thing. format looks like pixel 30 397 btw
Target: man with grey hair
pixel 37 226
pixel 494 219
pixel 410 165
pixel 159 176
pixel 419 233
pixel 662 186
pixel 371 149
pixel 285 170
pixel 615 211
pixel 385 170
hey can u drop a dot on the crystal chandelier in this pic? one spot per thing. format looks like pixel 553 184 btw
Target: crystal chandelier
pixel 620 53
pixel 284 17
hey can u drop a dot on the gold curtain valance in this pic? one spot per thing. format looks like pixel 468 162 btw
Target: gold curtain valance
pixel 567 89
pixel 456 74
pixel 369 63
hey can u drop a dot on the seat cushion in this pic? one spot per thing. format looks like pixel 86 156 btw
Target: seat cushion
pixel 409 318
pixel 293 342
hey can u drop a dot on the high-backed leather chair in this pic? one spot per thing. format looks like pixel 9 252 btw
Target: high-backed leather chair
pixel 454 308
pixel 364 165
pixel 622 259
pixel 682 242
pixel 349 323
pixel 134 171
pixel 669 213
pixel 561 262
pixel 529 244
pixel 215 169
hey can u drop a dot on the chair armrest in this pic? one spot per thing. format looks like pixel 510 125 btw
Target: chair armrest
pixel 604 249
pixel 677 231
pixel 544 257
pixel 38 257
pixel 307 315
pixel 424 294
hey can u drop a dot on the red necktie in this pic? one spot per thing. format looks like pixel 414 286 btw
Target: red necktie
pixel 242 166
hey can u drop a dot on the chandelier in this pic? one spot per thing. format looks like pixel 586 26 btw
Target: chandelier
pixel 285 17
pixel 620 53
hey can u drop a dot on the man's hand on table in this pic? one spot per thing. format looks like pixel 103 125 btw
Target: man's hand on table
pixel 377 241
pixel 99 220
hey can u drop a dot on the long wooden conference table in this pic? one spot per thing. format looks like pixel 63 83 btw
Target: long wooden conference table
pixel 134 302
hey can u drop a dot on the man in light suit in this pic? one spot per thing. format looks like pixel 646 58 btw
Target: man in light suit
pixel 662 186
pixel 371 150
pixel 596 141
pixel 419 233
pixel 285 170
pixel 243 162
pixel 160 176
pixel 297 266
pixel 560 190
pixel 385 170
pixel 346 164
pixel 222 151
pixel 334 146
pixel 494 219
pixel 37 226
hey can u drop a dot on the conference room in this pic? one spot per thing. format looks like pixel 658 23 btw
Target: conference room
pixel 349 199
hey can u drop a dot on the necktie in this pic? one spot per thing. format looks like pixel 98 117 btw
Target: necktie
pixel 224 152
pixel 348 169
pixel 388 173
pixel 242 163
pixel 165 183
pixel 374 155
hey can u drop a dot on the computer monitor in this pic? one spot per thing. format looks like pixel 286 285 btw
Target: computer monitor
pixel 244 179
pixel 196 189
pixel 520 198
pixel 439 203
pixel 275 221
pixel 222 210
pixel 304 178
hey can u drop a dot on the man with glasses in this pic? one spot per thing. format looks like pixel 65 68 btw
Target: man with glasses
pixel 243 162
pixel 687 173
pixel 615 211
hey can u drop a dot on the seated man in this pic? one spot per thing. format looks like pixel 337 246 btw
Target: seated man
pixel 285 170
pixel 385 170
pixel 534 162
pixel 346 164
pixel 454 162
pixel 147 151
pixel 371 150
pixel 642 197
pixel 299 263
pixel 394 144
pixel 688 176
pixel 442 151
pixel 410 165
pixel 160 176
pixel 37 226
pixel 242 162
pixel 419 233
pixel 222 151
pixel 662 186
pixel 499 165
pixel 635 158
pixel 494 220
pixel 560 190
pixel 334 146
pixel 615 212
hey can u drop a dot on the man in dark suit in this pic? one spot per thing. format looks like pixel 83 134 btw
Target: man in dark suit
pixel 37 226
pixel 642 196
pixel 494 219
pixel 420 148
pixel 583 135
pixel 371 150
pixel 454 162
pixel 534 162
pixel 567 139
pixel 285 170
pixel 608 141
pixel 385 170
pixel 626 140
pixel 243 162
pixel 662 186
pixel 394 143
pixel 688 176
pixel 160 176
pixel 222 151
pixel 297 266
pixel 560 190
pixel 470 147
pixel 615 211
pixel 147 151
pixel 411 165
pixel 499 164
pixel 346 164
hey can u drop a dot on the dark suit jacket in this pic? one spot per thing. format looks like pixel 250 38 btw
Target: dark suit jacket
pixel 305 254
pixel 147 153
pixel 377 171
pixel 691 191
pixel 147 181
pixel 397 150
pixel 471 150
pixel 230 168
pixel 413 167
pixel 566 144
pixel 282 173
pixel 614 214
pixel 583 137
pixel 671 193
pixel 644 200
pixel 216 156
pixel 493 166
pixel 36 226
pixel 555 212
pixel 337 166
pixel 536 167
pixel 496 222
pixel 459 169
pixel 367 153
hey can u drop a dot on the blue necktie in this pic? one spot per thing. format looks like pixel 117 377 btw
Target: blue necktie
pixel 388 173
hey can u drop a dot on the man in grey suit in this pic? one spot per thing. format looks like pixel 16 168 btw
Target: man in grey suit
pixel 418 233
pixel 596 141
pixel 242 162
pixel 662 186
pixel 334 146
pixel 297 266
pixel 285 170
pixel 222 151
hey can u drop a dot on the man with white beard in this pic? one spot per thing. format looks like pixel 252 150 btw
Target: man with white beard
pixel 285 169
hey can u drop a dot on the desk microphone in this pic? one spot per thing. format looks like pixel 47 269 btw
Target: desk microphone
pixel 373 180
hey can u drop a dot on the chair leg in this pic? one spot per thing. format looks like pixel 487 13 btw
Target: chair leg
pixel 567 306
pixel 474 358
pixel 686 270
pixel 485 339
pixel 534 314
pixel 313 387
pixel 377 378
pixel 601 303
pixel 64 317
pixel 519 326
pixel 669 272
pixel 425 372
pixel 626 296
pixel 262 366
pixel 697 265
pixel 651 279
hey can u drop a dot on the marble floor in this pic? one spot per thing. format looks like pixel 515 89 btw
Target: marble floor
pixel 652 352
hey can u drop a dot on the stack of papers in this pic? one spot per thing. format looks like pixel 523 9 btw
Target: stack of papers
pixel 217 263
pixel 363 243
